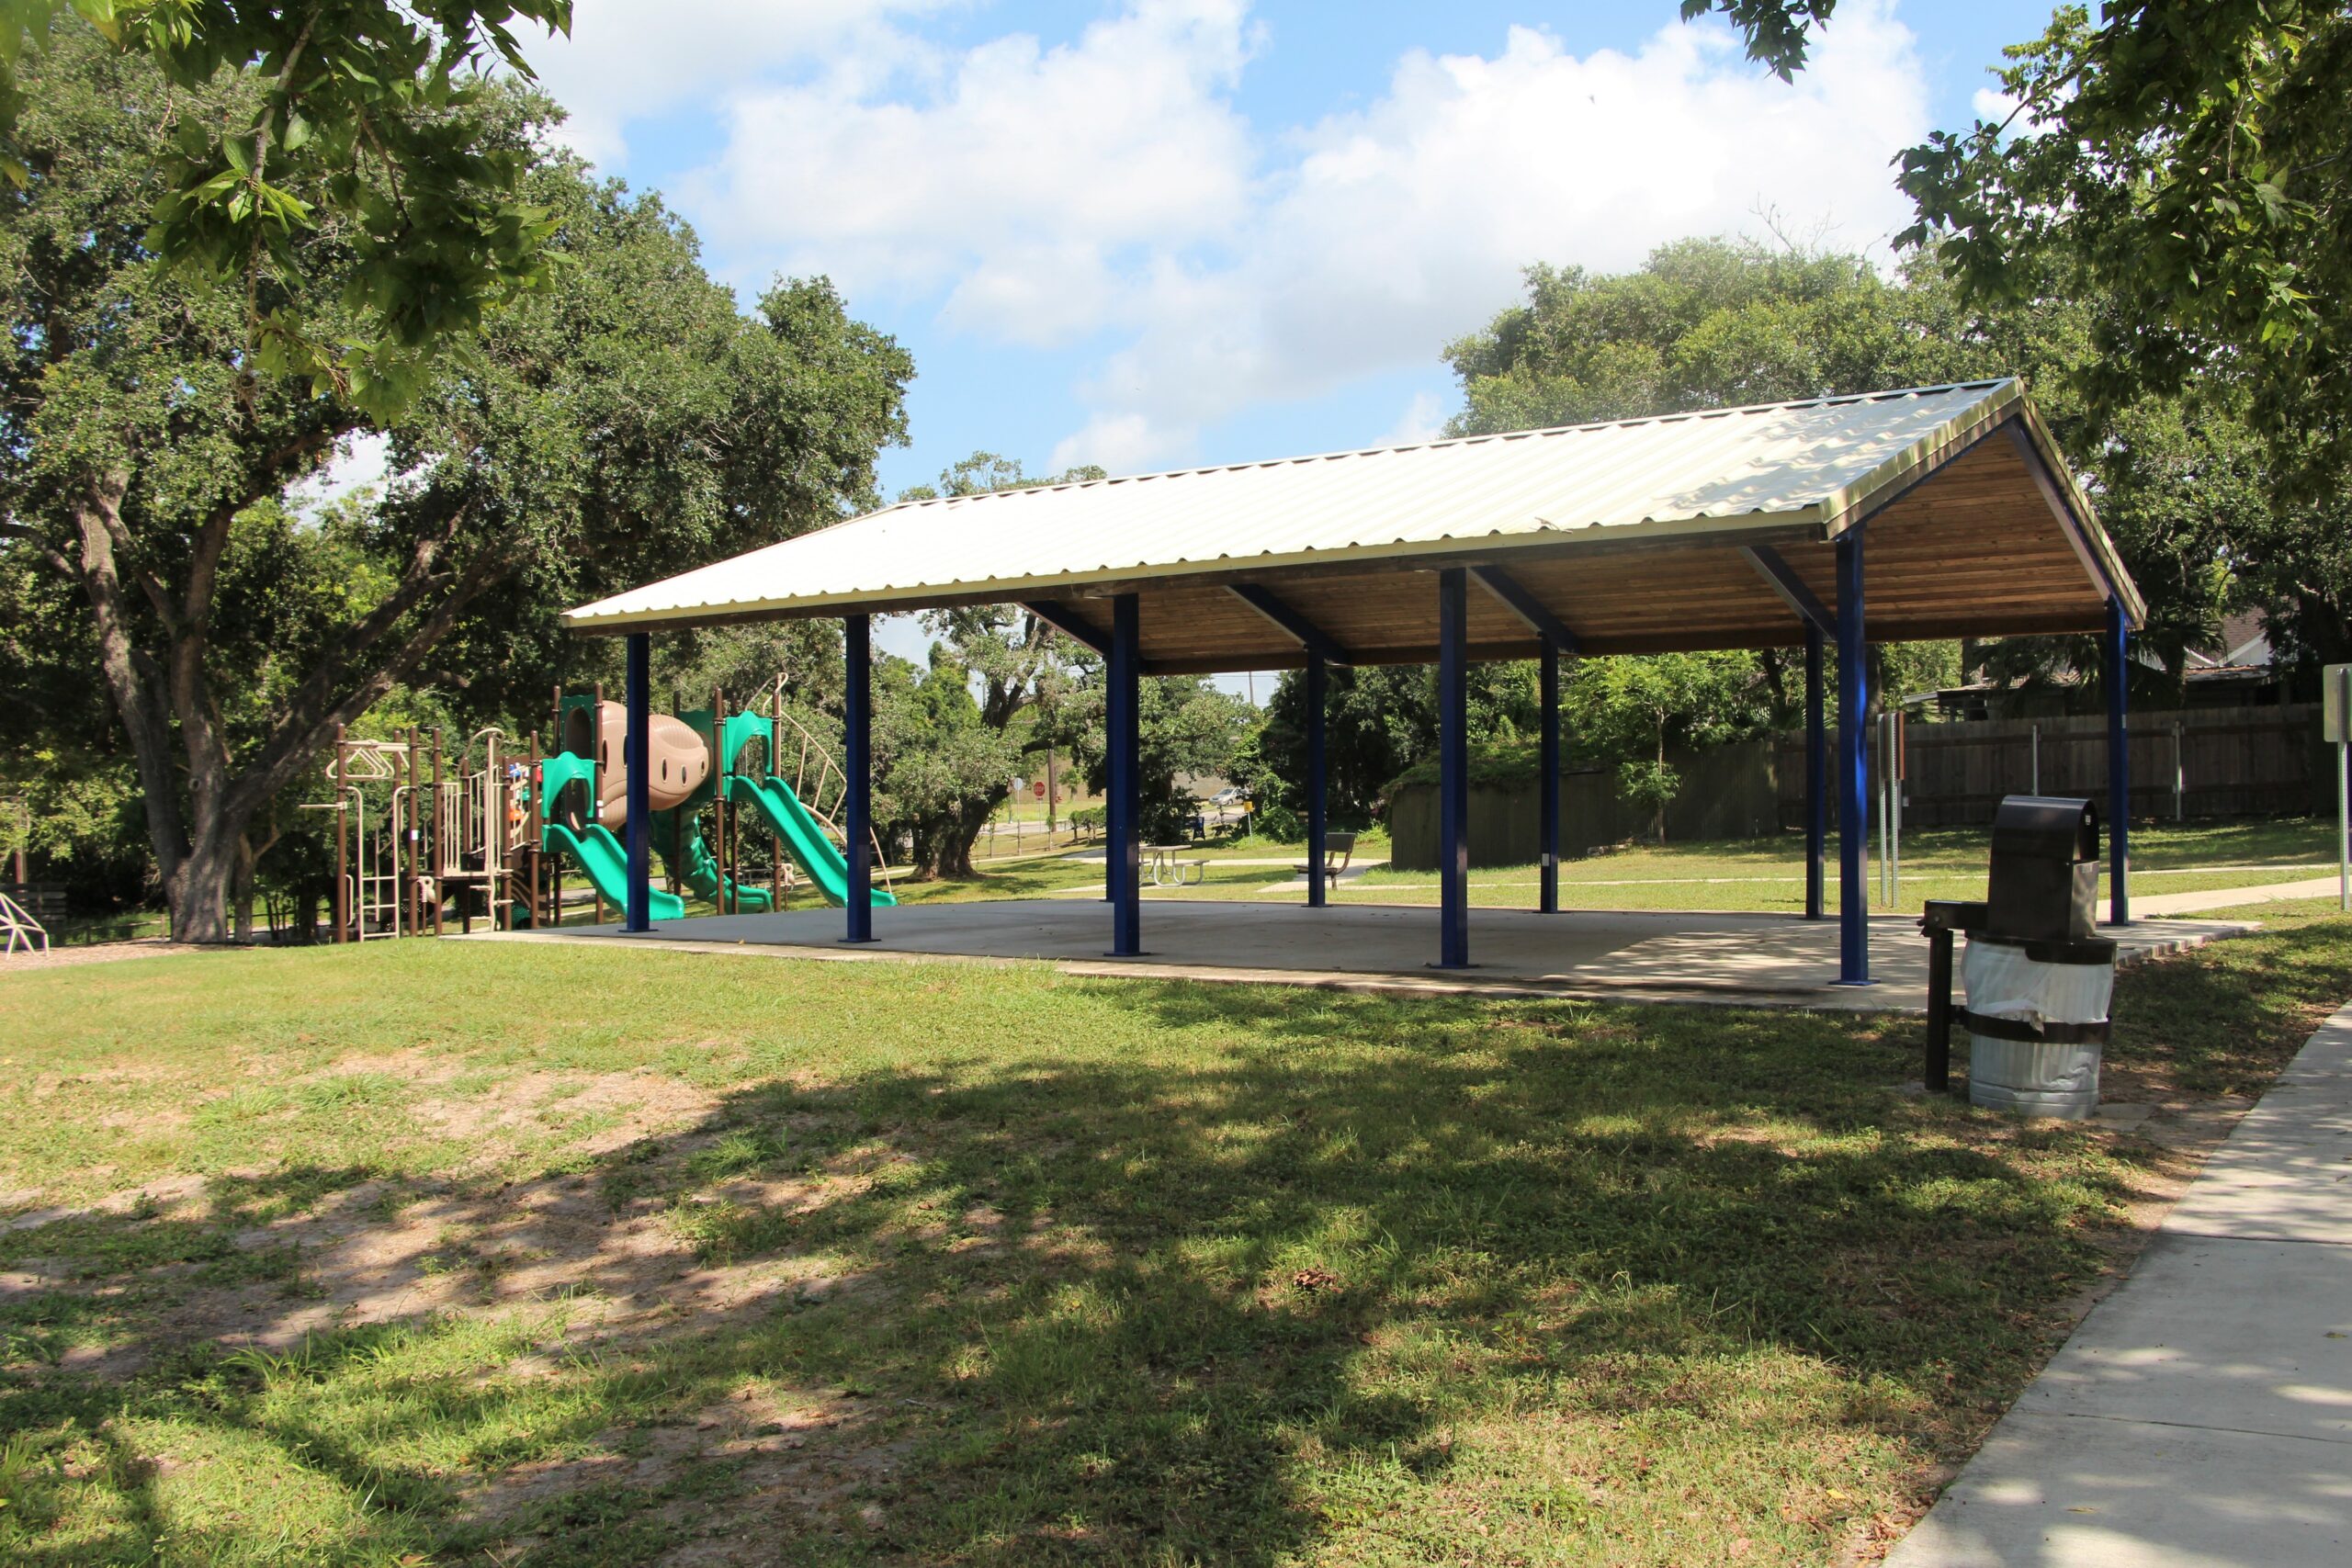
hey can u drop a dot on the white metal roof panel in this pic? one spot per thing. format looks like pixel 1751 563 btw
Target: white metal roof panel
pixel 1813 461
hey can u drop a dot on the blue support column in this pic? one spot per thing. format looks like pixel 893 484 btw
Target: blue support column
pixel 1453 768
pixel 857 768
pixel 636 912
pixel 1318 821
pixel 2118 765
pixel 1816 777
pixel 1125 737
pixel 1547 793
pixel 1853 768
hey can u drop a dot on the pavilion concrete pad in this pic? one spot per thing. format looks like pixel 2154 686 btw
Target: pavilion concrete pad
pixel 2203 1414
pixel 1758 959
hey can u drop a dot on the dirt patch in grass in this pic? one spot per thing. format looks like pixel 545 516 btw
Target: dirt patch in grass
pixel 67 957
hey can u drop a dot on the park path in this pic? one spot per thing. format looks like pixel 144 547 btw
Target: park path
pixel 2202 1413
pixel 2233 897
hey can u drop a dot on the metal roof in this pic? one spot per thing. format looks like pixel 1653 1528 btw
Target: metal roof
pixel 1823 463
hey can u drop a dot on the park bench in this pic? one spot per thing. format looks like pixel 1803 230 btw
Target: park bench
pixel 1338 849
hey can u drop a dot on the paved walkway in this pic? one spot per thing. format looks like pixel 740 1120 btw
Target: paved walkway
pixel 2233 897
pixel 2203 1414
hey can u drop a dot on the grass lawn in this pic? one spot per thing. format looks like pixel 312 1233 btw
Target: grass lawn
pixel 442 1253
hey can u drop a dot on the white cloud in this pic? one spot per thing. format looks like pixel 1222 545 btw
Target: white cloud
pixel 629 59
pixel 1020 180
pixel 1111 189
pixel 1422 421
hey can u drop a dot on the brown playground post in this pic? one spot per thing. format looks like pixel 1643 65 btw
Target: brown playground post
pixel 718 795
pixel 341 846
pixel 596 796
pixel 415 837
pixel 440 825
pixel 775 844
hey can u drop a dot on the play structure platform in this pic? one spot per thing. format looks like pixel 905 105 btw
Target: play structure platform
pixel 1664 955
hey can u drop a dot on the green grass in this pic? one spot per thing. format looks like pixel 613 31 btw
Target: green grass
pixel 568 1260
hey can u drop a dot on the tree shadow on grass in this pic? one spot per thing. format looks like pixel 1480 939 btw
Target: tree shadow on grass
pixel 1214 1306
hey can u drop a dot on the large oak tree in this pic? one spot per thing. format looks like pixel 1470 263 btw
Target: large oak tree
pixel 621 421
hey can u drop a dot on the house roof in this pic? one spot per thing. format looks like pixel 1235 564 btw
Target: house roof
pixel 1632 533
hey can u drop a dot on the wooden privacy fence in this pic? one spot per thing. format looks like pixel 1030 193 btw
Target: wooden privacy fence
pixel 2196 763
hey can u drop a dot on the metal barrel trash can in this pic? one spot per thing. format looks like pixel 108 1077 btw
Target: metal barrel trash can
pixel 2036 1021
pixel 2038 982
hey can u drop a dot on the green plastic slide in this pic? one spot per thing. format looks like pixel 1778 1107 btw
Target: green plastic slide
pixel 601 856
pixel 804 837
pixel 698 868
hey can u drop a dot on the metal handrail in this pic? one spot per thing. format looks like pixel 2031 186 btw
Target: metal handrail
pixel 828 773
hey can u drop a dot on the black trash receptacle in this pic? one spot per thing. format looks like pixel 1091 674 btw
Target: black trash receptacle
pixel 2038 982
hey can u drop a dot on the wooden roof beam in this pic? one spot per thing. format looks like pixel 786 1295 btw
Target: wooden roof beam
pixel 1774 569
pixel 1526 606
pixel 2061 507
pixel 1312 637
pixel 1062 620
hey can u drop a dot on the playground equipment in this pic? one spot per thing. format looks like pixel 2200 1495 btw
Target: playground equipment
pixel 701 761
pixel 425 836
pixel 20 932
pixel 421 836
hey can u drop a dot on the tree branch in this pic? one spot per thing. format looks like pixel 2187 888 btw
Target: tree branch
pixel 311 717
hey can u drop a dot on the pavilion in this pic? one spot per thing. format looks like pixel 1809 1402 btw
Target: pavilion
pixel 1725 528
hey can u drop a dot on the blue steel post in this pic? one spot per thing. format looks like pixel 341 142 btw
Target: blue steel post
pixel 637 910
pixel 1453 768
pixel 1318 823
pixel 1853 768
pixel 1125 737
pixel 1547 793
pixel 857 768
pixel 1816 775
pixel 2119 766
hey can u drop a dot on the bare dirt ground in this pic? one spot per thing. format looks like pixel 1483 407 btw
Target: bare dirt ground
pixel 63 957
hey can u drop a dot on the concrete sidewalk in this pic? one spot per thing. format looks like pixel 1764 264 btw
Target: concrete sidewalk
pixel 2203 1414
pixel 2161 904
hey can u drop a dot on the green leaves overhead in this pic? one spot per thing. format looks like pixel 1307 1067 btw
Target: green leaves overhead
pixel 2191 154
pixel 1776 29
pixel 363 120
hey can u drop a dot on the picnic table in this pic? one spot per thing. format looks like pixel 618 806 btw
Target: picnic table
pixel 1173 866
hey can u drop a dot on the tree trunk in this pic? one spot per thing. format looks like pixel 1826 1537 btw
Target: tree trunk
pixel 242 888
pixel 1776 682
pixel 956 844
pixel 200 894
pixel 1660 823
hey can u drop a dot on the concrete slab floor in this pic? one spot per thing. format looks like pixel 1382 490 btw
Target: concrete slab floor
pixel 1689 956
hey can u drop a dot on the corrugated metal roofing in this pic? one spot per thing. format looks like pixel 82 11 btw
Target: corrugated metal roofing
pixel 1821 461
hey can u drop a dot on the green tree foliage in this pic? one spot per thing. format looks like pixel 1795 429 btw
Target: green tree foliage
pixel 1012 669
pixel 1705 323
pixel 938 762
pixel 622 423
pixel 366 123
pixel 1378 722
pixel 2191 159
pixel 1632 709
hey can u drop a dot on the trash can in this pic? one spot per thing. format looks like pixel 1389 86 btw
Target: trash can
pixel 2037 1019
pixel 2038 982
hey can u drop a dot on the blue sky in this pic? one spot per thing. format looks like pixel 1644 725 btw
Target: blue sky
pixel 1152 233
